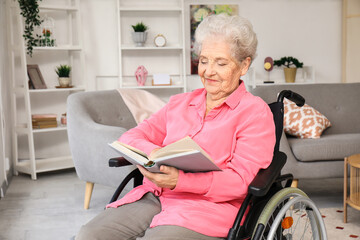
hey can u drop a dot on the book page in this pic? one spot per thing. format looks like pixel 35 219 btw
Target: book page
pixel 129 153
pixel 134 149
pixel 183 145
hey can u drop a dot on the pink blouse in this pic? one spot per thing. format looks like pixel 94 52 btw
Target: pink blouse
pixel 239 135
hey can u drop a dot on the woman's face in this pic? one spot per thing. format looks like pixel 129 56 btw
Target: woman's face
pixel 218 70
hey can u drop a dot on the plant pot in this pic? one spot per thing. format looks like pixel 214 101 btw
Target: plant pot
pixel 64 81
pixel 290 74
pixel 139 38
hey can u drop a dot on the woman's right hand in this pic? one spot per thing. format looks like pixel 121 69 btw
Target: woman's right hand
pixel 166 179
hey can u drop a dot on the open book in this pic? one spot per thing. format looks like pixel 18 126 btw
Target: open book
pixel 184 154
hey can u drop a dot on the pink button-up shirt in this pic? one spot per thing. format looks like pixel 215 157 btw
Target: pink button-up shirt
pixel 239 135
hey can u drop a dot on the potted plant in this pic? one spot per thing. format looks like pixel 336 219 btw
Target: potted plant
pixel 139 35
pixel 30 11
pixel 290 64
pixel 63 72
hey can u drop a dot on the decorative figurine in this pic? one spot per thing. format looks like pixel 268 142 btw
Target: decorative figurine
pixel 268 66
pixel 141 75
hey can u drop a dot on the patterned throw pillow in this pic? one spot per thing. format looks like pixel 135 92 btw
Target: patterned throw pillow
pixel 303 122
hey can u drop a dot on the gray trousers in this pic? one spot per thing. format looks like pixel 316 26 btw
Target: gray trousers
pixel 132 221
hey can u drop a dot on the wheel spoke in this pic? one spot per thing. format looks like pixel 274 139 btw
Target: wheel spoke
pixel 280 221
pixel 297 221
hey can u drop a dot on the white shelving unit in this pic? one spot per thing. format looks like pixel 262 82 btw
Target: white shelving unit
pixel 304 75
pixel 169 59
pixel 43 150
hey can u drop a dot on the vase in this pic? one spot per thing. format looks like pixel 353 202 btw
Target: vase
pixel 64 81
pixel 139 38
pixel 290 74
pixel 141 75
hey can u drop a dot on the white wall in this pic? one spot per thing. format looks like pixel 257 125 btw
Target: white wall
pixel 309 30
pixel 5 133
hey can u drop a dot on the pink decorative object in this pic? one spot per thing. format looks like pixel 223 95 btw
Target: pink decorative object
pixel 141 75
pixel 268 64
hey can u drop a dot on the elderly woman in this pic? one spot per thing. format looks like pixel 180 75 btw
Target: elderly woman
pixel 234 127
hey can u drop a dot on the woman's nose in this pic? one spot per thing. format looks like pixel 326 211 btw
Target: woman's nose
pixel 210 71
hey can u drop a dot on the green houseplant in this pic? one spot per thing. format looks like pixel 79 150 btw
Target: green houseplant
pixel 291 65
pixel 63 72
pixel 29 9
pixel 139 35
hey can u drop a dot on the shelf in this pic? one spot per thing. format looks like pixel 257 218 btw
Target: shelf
pixel 173 54
pixel 130 82
pixel 154 87
pixel 46 164
pixel 74 89
pixel 150 9
pixel 58 8
pixel 42 130
pixel 27 101
pixel 22 128
pixel 283 83
pixel 132 47
pixel 58 48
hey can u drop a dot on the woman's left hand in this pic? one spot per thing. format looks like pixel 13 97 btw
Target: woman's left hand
pixel 167 179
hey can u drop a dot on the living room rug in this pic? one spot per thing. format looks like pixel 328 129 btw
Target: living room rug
pixel 335 226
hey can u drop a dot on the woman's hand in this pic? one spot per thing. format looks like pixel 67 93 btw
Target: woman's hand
pixel 167 179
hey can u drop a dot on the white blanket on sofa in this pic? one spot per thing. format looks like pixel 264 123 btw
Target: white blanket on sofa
pixel 141 103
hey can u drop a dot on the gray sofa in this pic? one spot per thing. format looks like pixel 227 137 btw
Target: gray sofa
pixel 98 118
pixel 95 119
pixel 322 158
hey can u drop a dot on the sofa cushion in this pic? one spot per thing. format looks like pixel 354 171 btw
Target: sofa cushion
pixel 328 147
pixel 303 122
pixel 337 101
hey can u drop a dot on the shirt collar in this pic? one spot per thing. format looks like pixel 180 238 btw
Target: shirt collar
pixel 232 101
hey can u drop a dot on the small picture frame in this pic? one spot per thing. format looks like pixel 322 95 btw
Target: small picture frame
pixel 161 79
pixel 35 77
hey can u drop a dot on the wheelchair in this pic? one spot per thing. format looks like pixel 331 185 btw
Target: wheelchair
pixel 272 209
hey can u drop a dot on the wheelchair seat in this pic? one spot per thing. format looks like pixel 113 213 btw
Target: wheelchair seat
pixel 276 210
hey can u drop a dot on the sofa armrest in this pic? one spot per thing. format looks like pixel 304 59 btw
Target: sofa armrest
pixel 291 163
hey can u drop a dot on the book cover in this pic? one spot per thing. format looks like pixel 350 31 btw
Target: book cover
pixel 34 122
pixel 43 119
pixel 184 154
pixel 42 116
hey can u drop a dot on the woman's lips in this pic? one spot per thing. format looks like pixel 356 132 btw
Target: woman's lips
pixel 211 80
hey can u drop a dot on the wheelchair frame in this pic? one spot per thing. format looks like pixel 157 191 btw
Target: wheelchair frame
pixel 264 193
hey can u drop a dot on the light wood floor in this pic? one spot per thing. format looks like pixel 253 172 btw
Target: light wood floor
pixel 52 206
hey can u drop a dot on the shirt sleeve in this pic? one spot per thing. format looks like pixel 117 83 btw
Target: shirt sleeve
pixel 149 134
pixel 253 150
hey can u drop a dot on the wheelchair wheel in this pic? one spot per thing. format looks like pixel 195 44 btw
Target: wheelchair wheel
pixel 290 215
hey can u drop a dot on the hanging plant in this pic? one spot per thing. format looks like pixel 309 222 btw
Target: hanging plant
pixel 29 9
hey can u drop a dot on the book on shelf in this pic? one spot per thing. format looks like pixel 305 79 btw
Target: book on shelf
pixel 40 121
pixel 44 117
pixel 44 124
pixel 184 154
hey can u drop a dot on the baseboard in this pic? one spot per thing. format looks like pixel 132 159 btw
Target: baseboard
pixel 5 184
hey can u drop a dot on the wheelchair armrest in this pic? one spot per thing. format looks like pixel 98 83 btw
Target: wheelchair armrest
pixel 266 177
pixel 118 162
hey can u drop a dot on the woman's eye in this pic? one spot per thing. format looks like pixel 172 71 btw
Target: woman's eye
pixel 203 62
pixel 221 64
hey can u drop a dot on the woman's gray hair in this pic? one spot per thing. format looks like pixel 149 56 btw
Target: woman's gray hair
pixel 236 30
